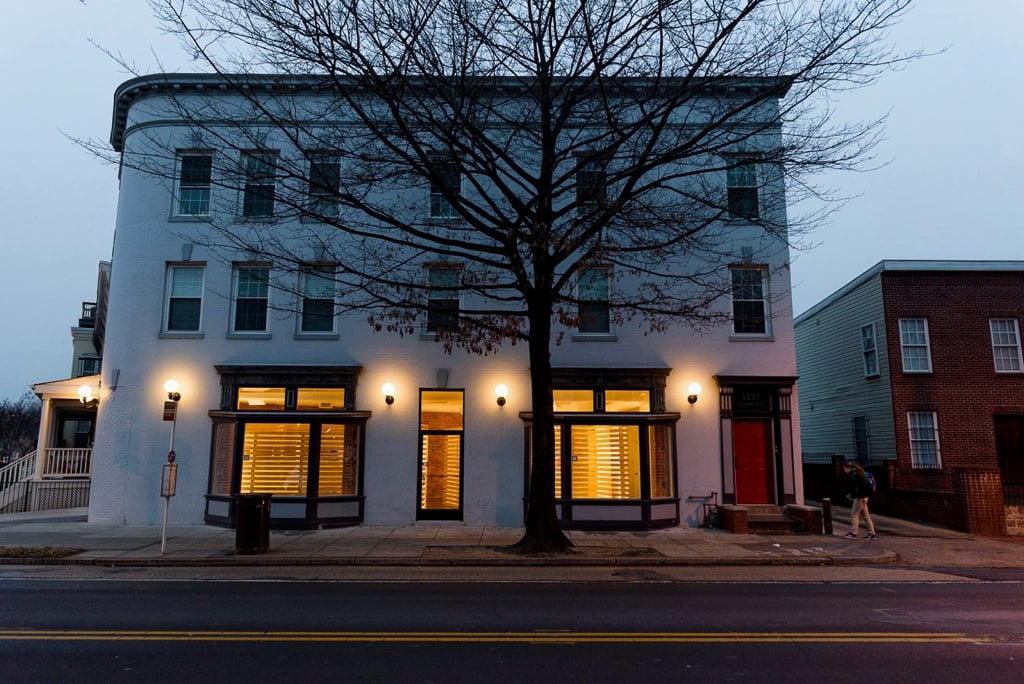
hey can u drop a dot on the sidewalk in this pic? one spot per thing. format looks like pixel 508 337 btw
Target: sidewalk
pixel 457 545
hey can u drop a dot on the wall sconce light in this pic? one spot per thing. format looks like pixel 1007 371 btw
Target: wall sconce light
pixel 388 390
pixel 85 396
pixel 171 387
pixel 694 389
pixel 501 392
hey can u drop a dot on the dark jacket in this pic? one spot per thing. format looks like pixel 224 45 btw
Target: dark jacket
pixel 857 485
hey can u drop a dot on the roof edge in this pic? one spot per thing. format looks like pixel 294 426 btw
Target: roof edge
pixel 910 265
pixel 139 86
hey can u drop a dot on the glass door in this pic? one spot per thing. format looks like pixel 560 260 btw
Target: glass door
pixel 440 457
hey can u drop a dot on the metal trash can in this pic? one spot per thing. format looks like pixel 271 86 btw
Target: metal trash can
pixel 252 523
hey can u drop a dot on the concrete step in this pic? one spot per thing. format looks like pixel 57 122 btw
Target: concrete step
pixel 771 520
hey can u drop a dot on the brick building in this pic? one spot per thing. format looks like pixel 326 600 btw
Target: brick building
pixel 915 368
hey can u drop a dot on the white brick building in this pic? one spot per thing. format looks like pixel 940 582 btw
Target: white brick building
pixel 279 395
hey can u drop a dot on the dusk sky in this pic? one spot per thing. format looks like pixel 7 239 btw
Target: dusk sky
pixel 946 189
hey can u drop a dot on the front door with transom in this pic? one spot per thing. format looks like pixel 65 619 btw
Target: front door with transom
pixel 752 453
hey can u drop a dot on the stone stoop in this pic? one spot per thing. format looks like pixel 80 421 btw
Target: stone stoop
pixel 769 519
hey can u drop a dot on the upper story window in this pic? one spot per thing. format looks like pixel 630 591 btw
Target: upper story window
pixel 194 177
pixel 318 301
pixel 258 193
pixel 924 439
pixel 917 357
pixel 324 182
pixel 442 298
pixel 593 293
pixel 88 365
pixel 741 181
pixel 445 185
pixel 749 301
pixel 250 301
pixel 184 304
pixel 591 185
pixel 1006 345
pixel 869 349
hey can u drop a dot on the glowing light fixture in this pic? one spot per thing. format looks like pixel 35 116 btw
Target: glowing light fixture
pixel 694 389
pixel 171 387
pixel 501 392
pixel 388 390
pixel 85 396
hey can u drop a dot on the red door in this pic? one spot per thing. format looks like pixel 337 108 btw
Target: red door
pixel 752 453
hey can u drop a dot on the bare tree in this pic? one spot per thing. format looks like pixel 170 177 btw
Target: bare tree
pixel 554 136
pixel 19 426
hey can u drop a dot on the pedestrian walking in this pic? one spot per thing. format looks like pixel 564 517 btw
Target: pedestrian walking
pixel 858 490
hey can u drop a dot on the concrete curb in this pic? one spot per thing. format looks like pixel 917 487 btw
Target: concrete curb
pixel 258 560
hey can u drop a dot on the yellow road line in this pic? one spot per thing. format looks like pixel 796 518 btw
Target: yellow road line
pixel 537 637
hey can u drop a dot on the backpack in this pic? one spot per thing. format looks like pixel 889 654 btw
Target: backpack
pixel 870 480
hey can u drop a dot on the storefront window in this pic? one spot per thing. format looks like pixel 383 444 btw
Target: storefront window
pixel 574 401
pixel 261 398
pixel 605 461
pixel 320 399
pixel 275 458
pixel 627 401
pixel 339 460
pixel 659 447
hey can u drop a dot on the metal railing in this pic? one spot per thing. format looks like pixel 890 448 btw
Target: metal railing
pixel 44 495
pixel 63 462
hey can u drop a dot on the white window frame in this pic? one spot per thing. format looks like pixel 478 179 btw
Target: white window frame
pixel 604 300
pixel 861 435
pixel 869 348
pixel 440 206
pixel 441 293
pixel 321 200
pixel 743 175
pixel 1006 352
pixel 327 273
pixel 907 344
pixel 183 186
pixel 259 170
pixel 591 184
pixel 763 299
pixel 89 364
pixel 917 437
pixel 172 294
pixel 236 295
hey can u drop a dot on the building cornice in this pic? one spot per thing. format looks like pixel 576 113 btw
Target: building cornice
pixel 158 84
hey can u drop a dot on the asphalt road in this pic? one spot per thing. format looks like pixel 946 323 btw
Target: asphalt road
pixel 113 630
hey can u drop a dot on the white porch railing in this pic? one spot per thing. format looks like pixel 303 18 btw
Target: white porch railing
pixel 67 463
pixel 12 477
pixel 18 471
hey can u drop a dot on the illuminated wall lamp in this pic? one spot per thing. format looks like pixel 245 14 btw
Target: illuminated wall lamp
pixel 85 396
pixel 388 390
pixel 501 392
pixel 171 387
pixel 694 389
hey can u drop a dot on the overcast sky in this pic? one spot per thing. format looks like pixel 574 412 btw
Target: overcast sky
pixel 951 188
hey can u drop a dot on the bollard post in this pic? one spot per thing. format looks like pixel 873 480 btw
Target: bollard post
pixel 826 514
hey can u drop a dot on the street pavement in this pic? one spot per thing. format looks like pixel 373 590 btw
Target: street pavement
pixel 440 545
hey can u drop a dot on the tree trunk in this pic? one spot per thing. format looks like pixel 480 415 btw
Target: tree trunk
pixel 543 530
